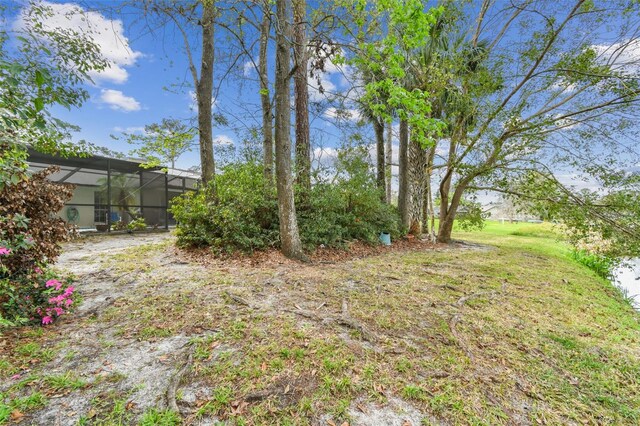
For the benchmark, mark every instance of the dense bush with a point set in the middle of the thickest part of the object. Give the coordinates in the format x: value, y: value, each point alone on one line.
x: 244, y: 214
x: 348, y: 207
x: 30, y: 237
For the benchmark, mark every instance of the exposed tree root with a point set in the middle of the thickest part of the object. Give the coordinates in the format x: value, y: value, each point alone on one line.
x: 461, y: 342
x: 239, y: 300
x: 490, y: 294
x: 174, y: 382
x: 453, y: 322
x: 344, y: 320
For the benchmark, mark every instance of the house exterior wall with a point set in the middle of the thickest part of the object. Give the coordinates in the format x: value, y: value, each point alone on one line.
x: 81, y: 195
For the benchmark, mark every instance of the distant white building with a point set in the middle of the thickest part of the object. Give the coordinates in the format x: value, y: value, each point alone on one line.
x: 505, y: 210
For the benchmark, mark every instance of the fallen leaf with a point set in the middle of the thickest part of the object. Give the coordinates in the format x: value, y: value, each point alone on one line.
x: 345, y: 424
x: 263, y: 367
x: 406, y: 423
x: 92, y: 413
x: 130, y: 405
x: 331, y: 423
x: 286, y: 389
x: 16, y: 415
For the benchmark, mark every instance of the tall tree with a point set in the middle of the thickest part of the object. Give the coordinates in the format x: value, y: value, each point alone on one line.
x: 289, y: 234
x: 204, y: 90
x: 417, y: 163
x: 378, y: 130
x: 46, y: 66
x: 184, y: 16
x: 389, y: 160
x: 378, y: 127
x: 563, y: 97
x: 385, y: 58
x: 301, y: 91
x: 403, y: 174
x: 265, y: 97
x: 161, y: 144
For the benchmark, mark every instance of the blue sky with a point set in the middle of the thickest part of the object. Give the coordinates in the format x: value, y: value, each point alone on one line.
x: 133, y: 91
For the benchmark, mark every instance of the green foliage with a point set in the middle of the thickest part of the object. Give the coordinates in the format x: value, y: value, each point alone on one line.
x: 347, y: 208
x: 162, y: 143
x: 30, y: 237
x: 606, y: 225
x: 137, y: 225
x: 31, y: 402
x: 470, y: 216
x: 154, y: 417
x: 384, y: 61
x: 243, y: 215
x: 41, y: 67
x: 599, y: 263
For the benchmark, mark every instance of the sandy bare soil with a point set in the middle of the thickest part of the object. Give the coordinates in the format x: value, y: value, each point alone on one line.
x: 412, y: 335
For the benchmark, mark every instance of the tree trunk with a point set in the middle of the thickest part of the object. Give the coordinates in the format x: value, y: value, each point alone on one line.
x: 403, y: 176
x: 389, y: 159
x: 428, y: 217
x: 289, y: 236
x: 446, y: 221
x: 204, y: 92
x: 265, y: 98
x: 378, y: 127
x: 301, y: 91
x: 417, y: 164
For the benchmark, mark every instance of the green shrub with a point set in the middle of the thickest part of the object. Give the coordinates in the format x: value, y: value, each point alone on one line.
x: 347, y: 208
x: 243, y: 215
x: 137, y: 225
x: 600, y: 264
x: 30, y: 237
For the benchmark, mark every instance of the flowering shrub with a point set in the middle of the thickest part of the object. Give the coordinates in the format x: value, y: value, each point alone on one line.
x: 30, y: 236
x: 36, y: 297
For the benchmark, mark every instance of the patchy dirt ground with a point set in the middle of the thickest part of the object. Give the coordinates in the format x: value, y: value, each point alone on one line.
x: 468, y: 334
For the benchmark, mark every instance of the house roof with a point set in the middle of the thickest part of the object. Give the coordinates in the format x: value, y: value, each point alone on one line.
x: 96, y: 162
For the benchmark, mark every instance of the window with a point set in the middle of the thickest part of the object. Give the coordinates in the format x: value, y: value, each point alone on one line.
x: 101, y: 209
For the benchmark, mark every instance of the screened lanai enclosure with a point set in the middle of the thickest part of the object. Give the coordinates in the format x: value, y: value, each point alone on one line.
x: 111, y: 192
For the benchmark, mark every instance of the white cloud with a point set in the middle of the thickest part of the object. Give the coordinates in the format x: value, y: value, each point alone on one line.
x: 119, y: 101
x: 327, y: 83
x: 223, y: 140
x: 248, y: 67
x: 193, y: 101
x: 622, y: 56
x: 343, y: 114
x: 106, y: 33
x: 321, y: 87
x: 565, y: 123
x: 130, y: 129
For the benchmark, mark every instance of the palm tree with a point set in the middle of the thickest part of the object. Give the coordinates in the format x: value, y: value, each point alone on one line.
x: 124, y: 194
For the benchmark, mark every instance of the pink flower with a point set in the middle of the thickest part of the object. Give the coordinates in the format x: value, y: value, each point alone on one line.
x: 54, y: 283
x: 47, y: 320
x: 4, y: 250
x: 58, y: 311
x: 37, y: 270
x: 68, y: 302
x: 68, y: 291
x: 57, y: 299
x: 15, y: 377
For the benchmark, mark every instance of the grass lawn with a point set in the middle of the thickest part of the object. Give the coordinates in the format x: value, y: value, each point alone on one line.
x: 508, y: 330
